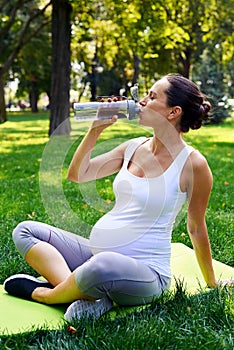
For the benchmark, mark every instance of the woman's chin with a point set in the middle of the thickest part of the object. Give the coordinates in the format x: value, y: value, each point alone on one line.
x: 140, y: 121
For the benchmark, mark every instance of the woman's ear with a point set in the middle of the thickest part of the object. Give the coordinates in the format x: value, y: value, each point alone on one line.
x: 175, y: 113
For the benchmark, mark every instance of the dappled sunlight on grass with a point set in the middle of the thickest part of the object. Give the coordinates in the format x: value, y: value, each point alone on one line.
x: 33, y: 186
x: 29, y: 159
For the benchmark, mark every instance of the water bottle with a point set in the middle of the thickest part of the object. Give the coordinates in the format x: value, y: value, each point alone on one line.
x: 106, y: 109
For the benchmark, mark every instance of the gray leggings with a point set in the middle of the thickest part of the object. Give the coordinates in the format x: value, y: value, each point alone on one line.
x: 125, y: 280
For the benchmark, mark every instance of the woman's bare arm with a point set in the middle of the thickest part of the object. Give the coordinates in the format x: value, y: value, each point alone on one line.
x: 82, y: 168
x: 199, y: 189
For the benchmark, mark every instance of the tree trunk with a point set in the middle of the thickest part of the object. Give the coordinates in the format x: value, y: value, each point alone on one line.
x: 3, y: 114
x: 184, y: 68
x: 136, y: 69
x: 60, y: 78
x: 33, y: 97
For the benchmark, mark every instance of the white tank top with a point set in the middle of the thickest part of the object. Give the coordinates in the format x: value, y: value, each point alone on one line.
x: 141, y: 222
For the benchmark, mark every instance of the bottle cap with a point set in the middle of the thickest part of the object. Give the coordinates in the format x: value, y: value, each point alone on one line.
x: 133, y: 109
x: 134, y: 92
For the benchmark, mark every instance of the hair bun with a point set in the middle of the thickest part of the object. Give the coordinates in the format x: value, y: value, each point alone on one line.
x: 205, y: 107
x: 186, y: 94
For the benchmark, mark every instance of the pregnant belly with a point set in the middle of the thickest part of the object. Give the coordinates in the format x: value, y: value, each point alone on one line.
x: 115, y: 232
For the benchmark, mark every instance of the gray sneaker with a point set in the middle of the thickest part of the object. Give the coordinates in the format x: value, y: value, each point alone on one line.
x: 85, y: 308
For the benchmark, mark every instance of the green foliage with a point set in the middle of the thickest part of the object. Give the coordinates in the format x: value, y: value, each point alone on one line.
x: 20, y: 20
x: 130, y: 40
x: 214, y: 82
x: 141, y: 42
x: 38, y: 51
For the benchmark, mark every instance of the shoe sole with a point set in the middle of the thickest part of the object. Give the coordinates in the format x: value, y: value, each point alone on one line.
x: 21, y: 275
x: 88, y: 310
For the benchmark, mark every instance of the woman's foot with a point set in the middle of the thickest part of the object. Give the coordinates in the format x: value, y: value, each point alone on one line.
x: 85, y: 308
x: 22, y: 286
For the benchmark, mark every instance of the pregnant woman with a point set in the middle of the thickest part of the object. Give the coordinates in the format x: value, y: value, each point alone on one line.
x: 126, y: 260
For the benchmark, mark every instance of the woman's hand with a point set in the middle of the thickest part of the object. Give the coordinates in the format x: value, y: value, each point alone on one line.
x: 102, y: 124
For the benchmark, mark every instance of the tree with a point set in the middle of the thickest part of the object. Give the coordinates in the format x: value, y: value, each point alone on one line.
x: 108, y: 35
x: 212, y: 83
x: 132, y: 43
x: 19, y: 23
x: 33, y: 67
x: 214, y: 68
x: 60, y: 80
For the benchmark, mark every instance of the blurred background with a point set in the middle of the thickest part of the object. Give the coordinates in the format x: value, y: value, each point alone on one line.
x: 54, y: 53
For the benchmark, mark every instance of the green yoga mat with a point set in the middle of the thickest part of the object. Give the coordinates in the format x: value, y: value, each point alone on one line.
x: 18, y: 316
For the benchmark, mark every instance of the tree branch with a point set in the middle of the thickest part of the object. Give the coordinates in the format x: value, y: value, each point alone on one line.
x: 12, y: 15
x: 24, y: 37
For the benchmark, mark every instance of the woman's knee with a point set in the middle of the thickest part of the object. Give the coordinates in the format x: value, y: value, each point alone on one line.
x: 21, y: 229
x: 104, y: 266
x: 22, y: 236
x: 99, y: 269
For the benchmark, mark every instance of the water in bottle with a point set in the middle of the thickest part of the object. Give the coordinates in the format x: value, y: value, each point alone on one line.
x: 122, y: 107
x: 105, y: 110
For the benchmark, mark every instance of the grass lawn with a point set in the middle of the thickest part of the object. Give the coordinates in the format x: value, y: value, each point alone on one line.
x: 33, y: 186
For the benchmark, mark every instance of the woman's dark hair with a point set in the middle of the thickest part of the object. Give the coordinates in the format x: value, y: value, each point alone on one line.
x: 184, y: 93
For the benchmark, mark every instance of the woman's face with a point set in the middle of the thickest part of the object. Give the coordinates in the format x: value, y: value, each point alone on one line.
x: 156, y: 100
